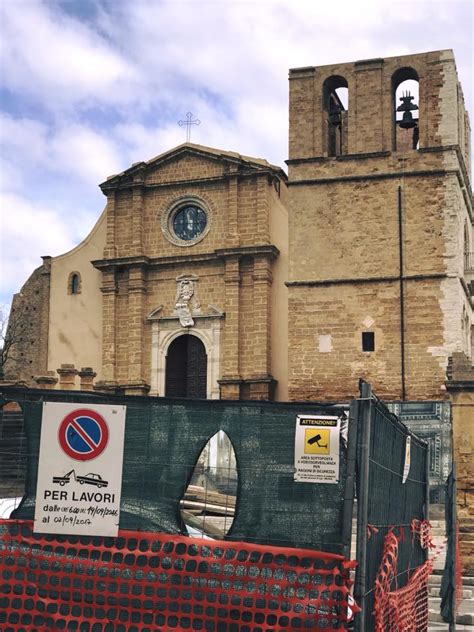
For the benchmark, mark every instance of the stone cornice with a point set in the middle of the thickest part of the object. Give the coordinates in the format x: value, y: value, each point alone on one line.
x: 103, y: 264
x: 233, y: 163
x: 382, y: 279
x: 123, y: 183
x: 269, y: 251
x: 342, y: 158
x: 196, y: 317
x: 460, y: 385
x: 392, y: 175
x: 461, y: 173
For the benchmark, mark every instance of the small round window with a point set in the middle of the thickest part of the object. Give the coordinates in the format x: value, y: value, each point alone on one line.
x: 189, y: 222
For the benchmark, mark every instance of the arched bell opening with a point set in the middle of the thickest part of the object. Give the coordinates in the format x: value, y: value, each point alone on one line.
x: 186, y: 368
x: 209, y: 503
x: 336, y: 105
x: 405, y: 98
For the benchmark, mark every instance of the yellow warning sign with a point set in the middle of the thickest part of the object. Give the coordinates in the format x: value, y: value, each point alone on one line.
x: 316, y: 440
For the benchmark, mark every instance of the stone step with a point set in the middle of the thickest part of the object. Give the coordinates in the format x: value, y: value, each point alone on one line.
x: 465, y: 614
x: 435, y: 579
x: 437, y: 523
x: 461, y: 618
x: 467, y: 593
x: 466, y: 607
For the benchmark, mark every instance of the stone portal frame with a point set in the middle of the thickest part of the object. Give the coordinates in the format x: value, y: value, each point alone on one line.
x: 165, y: 330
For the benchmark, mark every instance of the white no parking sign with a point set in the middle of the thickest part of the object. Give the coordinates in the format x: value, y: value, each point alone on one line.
x: 80, y: 469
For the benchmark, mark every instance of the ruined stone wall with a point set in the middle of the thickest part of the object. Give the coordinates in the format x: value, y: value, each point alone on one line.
x: 28, y: 327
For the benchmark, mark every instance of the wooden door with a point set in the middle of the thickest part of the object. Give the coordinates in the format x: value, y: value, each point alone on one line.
x: 186, y: 368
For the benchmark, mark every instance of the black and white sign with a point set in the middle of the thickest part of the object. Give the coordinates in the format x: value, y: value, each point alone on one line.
x: 317, y: 440
x: 80, y: 469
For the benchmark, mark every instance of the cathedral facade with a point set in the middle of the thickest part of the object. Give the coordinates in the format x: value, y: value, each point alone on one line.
x: 211, y: 274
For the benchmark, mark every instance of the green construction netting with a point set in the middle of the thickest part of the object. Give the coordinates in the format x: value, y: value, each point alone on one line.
x: 163, y: 440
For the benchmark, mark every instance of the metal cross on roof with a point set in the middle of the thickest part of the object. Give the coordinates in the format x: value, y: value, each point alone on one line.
x: 188, y: 122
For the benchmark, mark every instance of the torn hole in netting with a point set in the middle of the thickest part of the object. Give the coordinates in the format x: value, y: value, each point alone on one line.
x: 209, y: 503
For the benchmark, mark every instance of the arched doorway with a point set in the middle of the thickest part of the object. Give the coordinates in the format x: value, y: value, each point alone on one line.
x: 186, y: 368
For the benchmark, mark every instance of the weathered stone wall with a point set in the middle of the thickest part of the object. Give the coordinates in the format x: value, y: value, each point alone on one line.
x: 460, y: 385
x: 370, y: 112
x: 231, y: 266
x: 376, y: 235
x: 28, y: 327
x: 325, y: 340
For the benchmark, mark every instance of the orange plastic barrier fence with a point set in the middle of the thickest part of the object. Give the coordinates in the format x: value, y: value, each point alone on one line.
x: 404, y: 609
x: 142, y: 582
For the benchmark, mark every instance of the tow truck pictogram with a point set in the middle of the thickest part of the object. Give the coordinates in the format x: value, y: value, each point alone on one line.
x: 88, y: 479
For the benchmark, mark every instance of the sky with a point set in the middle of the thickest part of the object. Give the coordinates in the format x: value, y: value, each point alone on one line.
x: 87, y: 87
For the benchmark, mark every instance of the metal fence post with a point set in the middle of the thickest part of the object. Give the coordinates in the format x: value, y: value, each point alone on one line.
x: 364, y: 434
x: 350, y: 479
x: 427, y: 490
x: 454, y: 513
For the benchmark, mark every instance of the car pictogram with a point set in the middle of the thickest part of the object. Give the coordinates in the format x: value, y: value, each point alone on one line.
x: 92, y: 479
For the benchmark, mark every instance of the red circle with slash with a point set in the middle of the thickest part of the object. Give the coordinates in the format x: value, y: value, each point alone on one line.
x: 83, y: 434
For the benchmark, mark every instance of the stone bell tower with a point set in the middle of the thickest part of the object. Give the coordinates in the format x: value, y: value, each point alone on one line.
x: 381, y: 227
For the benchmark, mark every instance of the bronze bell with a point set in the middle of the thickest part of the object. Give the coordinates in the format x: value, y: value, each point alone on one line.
x: 335, y: 114
x: 406, y: 107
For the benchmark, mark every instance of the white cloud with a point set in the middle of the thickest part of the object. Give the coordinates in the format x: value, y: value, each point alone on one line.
x: 89, y: 95
x: 46, y: 54
x: 84, y: 153
x: 28, y: 231
x: 75, y: 150
x: 25, y: 137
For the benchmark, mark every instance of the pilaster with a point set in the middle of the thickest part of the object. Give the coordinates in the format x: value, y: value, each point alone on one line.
x: 231, y: 332
x: 136, y: 298
x: 137, y: 218
x: 46, y: 381
x: 87, y: 375
x: 262, y: 388
x: 109, y: 308
x: 262, y: 282
x: 110, y: 249
x: 369, y: 105
x: 232, y: 233
x: 67, y: 375
x: 263, y: 219
x: 230, y: 388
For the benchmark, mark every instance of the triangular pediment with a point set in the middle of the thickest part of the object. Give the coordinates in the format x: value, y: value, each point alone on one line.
x: 188, y: 162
